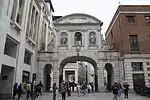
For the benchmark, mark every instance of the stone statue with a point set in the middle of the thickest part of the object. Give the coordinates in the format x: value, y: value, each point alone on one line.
x: 63, y: 38
x: 92, y: 38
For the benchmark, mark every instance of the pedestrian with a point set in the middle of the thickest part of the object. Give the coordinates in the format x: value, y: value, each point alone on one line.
x: 119, y: 90
x: 92, y: 85
x: 63, y: 91
x: 89, y: 88
x: 105, y: 86
x: 15, y: 90
x: 78, y: 89
x: 40, y: 85
x: 54, y: 91
x: 126, y: 89
x: 19, y: 91
x: 73, y: 85
x: 84, y: 86
x: 28, y: 90
x: 115, y: 91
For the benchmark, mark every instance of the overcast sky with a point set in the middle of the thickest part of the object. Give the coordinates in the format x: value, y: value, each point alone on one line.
x: 101, y: 9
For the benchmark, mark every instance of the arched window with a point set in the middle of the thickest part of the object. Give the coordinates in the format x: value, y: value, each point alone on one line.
x: 78, y: 38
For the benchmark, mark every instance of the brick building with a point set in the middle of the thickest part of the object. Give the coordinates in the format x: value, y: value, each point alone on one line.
x: 129, y: 33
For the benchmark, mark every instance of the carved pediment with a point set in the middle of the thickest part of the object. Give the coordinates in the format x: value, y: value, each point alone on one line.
x: 77, y: 18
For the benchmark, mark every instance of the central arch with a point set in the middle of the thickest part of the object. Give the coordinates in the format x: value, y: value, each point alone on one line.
x: 78, y: 58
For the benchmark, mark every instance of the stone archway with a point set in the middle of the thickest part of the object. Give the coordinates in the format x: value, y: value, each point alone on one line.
x: 110, y: 75
x: 47, y: 77
x: 78, y: 58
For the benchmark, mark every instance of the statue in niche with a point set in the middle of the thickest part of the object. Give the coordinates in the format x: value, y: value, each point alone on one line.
x: 63, y: 38
x: 92, y: 38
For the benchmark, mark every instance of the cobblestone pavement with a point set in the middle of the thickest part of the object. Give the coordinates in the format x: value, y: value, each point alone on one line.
x: 95, y: 96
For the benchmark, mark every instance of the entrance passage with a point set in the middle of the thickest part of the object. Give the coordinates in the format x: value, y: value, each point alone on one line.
x: 47, y: 77
x: 109, y: 76
x: 78, y: 69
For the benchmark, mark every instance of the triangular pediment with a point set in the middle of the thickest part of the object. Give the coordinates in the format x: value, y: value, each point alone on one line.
x: 77, y: 18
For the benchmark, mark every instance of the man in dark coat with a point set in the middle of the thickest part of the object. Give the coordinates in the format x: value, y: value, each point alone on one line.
x: 63, y: 91
x: 126, y: 89
x: 15, y: 90
x: 54, y: 91
x: 115, y: 90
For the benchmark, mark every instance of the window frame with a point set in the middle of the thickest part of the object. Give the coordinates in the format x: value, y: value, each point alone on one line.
x: 137, y: 68
x: 134, y: 44
x: 131, y: 19
x: 33, y: 22
x: 16, y: 10
x: 147, y: 18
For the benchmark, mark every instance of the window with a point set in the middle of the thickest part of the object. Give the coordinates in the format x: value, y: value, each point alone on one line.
x: 17, y: 11
x: 130, y: 19
x: 148, y: 19
x: 25, y: 76
x: 33, y: 22
x: 148, y: 69
x: 137, y: 66
x: 10, y: 47
x: 27, y: 57
x: 134, y: 43
x: 78, y: 38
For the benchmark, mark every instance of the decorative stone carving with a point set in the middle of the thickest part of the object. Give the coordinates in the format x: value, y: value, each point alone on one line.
x: 42, y: 47
x: 92, y: 38
x: 63, y: 38
x: 52, y: 41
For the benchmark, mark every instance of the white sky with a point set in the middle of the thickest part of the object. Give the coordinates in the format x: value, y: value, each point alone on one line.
x: 101, y: 9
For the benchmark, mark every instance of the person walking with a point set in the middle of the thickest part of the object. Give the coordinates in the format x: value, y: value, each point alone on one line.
x: 54, y: 91
x: 63, y: 91
x: 15, y: 90
x: 40, y: 85
x: 19, y: 91
x: 126, y: 89
x: 89, y: 88
x: 28, y: 90
x: 92, y: 86
x: 119, y: 90
x: 78, y: 89
x: 115, y: 91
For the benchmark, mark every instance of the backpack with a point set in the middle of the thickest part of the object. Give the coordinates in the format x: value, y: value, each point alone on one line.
x: 28, y: 87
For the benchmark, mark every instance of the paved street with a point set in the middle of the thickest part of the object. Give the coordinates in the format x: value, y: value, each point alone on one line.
x: 95, y: 96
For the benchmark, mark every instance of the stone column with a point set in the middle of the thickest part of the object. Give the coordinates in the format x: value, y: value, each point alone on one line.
x: 100, y: 73
x: 56, y: 73
x: 86, y: 40
x: 1, y: 7
x: 76, y: 76
x: 146, y: 73
x: 69, y: 40
x: 128, y: 73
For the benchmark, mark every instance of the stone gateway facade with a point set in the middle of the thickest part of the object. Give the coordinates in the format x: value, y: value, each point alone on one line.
x: 78, y: 38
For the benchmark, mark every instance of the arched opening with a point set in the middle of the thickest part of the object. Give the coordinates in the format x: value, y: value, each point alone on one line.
x: 78, y: 38
x: 108, y: 77
x: 80, y: 60
x: 47, y: 77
